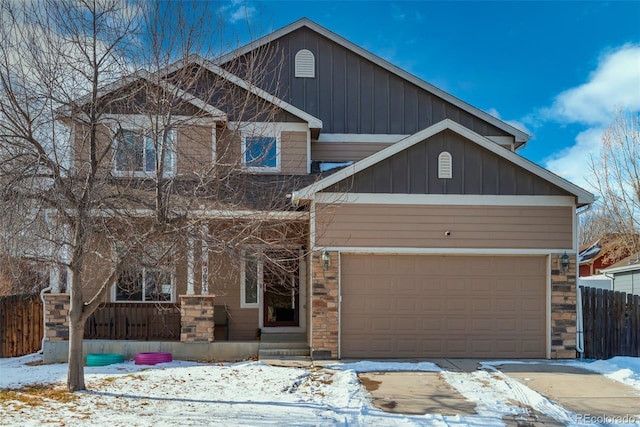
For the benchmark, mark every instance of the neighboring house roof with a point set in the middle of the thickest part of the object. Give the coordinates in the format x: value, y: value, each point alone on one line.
x: 520, y: 136
x: 630, y: 263
x: 606, y: 248
x: 583, y: 197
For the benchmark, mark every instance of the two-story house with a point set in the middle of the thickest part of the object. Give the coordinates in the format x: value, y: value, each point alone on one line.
x: 389, y: 218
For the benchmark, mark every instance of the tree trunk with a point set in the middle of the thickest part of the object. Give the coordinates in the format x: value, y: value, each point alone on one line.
x: 75, y: 375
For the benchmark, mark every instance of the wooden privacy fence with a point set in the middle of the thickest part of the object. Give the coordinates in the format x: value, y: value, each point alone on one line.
x: 21, y: 327
x: 611, y: 323
x: 134, y: 321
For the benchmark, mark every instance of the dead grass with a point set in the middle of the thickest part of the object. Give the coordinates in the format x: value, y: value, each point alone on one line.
x: 35, y: 395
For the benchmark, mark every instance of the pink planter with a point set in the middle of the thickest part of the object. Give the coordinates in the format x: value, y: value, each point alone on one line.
x: 152, y: 358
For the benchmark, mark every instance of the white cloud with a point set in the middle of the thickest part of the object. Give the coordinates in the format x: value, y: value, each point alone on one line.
x: 573, y: 162
x: 238, y: 10
x: 614, y: 84
x: 515, y: 123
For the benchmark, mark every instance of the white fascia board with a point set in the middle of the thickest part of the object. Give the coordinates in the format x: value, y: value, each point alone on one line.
x: 268, y: 127
x: 314, y: 122
x: 583, y: 196
x: 361, y: 137
x: 141, y: 120
x: 622, y: 269
x: 518, y: 134
x: 437, y: 251
x: 443, y: 199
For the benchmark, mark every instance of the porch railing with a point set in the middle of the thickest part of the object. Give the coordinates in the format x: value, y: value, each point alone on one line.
x: 134, y: 321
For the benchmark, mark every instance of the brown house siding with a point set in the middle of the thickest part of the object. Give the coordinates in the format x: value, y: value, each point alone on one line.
x: 409, y: 226
x: 344, y: 151
x: 294, y: 153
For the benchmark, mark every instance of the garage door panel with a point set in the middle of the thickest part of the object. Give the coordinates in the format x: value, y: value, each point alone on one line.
x: 443, y: 306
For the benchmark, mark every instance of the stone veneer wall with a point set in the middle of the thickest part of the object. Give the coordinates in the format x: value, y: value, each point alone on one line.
x: 324, y: 307
x: 56, y: 312
x: 563, y: 308
x: 197, y: 318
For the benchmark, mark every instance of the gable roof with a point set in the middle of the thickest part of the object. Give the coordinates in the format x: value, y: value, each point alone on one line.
x: 314, y: 123
x: 520, y: 136
x: 630, y: 263
x: 583, y: 196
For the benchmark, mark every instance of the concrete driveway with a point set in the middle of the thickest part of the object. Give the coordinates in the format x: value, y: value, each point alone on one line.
x: 540, y: 393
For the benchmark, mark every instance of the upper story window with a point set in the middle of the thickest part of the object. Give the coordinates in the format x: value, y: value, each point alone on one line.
x: 261, y: 152
x: 136, y: 153
x: 261, y: 147
x: 305, y: 64
x: 144, y: 284
x: 445, y: 165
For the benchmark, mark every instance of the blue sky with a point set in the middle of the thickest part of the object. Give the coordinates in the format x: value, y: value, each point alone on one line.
x: 557, y: 69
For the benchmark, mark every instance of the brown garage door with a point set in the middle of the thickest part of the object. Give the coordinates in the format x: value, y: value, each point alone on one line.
x: 443, y: 306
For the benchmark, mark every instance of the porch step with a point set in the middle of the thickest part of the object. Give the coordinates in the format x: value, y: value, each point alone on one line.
x: 270, y: 353
x: 282, y: 337
x: 292, y: 345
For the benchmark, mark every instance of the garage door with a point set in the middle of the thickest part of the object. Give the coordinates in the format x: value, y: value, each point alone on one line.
x: 443, y: 306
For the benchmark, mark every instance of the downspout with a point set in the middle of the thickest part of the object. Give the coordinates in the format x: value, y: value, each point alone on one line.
x: 44, y: 311
x: 579, y: 321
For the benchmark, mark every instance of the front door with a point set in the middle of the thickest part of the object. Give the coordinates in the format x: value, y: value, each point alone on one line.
x: 281, y: 273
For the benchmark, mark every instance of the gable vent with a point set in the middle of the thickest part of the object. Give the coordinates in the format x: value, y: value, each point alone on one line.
x: 305, y: 64
x: 444, y: 165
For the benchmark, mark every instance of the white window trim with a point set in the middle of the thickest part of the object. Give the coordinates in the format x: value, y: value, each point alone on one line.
x: 243, y: 276
x: 173, y: 135
x: 264, y: 129
x: 172, y: 275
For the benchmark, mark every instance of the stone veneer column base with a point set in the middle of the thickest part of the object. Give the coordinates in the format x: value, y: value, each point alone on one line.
x: 196, y: 318
x: 324, y: 307
x: 56, y: 315
x: 563, y: 308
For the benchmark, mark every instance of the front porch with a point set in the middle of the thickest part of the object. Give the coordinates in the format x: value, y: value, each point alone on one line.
x: 193, y: 329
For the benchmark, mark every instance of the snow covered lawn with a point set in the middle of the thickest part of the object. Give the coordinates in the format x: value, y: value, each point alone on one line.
x: 253, y: 393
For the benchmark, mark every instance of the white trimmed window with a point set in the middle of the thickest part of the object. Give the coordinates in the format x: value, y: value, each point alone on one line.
x: 261, y: 147
x: 305, y: 64
x: 142, y: 284
x: 136, y: 153
x: 250, y: 272
x: 445, y: 165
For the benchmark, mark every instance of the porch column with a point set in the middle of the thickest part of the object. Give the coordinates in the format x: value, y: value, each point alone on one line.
x: 190, y: 265
x: 205, y: 260
x: 196, y: 318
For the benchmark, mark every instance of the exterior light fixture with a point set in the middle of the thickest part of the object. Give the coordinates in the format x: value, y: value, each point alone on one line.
x: 565, y: 262
x: 325, y: 259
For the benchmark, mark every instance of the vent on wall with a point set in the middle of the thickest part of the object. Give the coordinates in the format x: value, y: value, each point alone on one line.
x: 305, y: 64
x: 444, y: 165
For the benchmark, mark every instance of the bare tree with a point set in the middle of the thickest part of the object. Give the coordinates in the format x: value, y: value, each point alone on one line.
x: 113, y: 196
x: 615, y: 175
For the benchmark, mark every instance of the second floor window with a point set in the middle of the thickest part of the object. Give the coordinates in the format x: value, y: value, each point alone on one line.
x: 138, y: 154
x: 261, y: 153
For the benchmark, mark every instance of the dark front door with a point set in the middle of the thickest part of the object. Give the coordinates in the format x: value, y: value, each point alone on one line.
x: 281, y: 274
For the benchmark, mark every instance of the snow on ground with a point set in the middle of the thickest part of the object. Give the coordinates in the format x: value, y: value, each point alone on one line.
x: 253, y: 393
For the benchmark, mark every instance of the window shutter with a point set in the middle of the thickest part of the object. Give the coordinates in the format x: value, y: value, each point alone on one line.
x: 305, y: 64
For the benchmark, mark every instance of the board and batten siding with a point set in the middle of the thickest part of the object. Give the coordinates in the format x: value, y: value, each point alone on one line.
x: 412, y: 226
x: 344, y: 151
